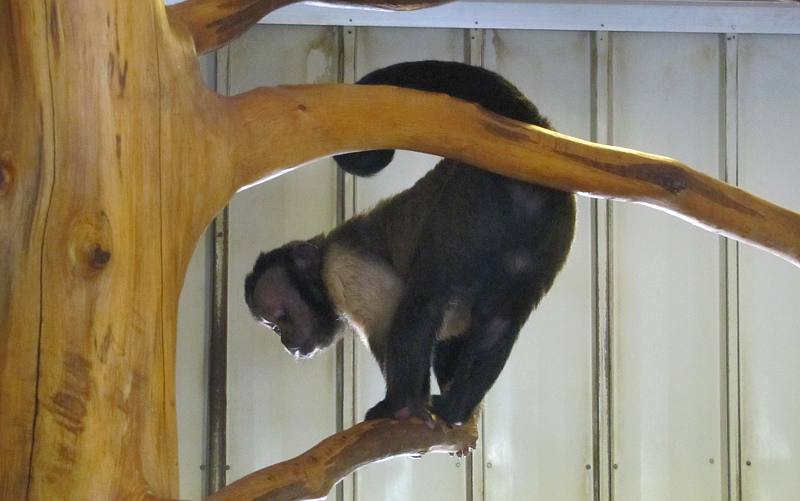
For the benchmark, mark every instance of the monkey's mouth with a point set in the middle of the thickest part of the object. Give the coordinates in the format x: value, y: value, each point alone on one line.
x: 302, y: 352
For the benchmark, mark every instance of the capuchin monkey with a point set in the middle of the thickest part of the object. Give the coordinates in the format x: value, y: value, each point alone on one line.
x: 443, y: 274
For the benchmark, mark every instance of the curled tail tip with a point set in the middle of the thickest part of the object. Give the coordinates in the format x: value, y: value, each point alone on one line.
x: 364, y: 163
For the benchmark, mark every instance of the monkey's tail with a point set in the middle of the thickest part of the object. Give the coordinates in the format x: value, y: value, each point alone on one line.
x: 364, y: 163
x: 459, y: 80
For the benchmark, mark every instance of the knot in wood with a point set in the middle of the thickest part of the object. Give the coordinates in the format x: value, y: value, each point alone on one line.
x: 100, y: 257
x: 90, y: 244
x: 6, y: 175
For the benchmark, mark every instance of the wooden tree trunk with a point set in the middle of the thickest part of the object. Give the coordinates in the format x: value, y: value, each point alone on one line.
x: 89, y: 284
x: 113, y: 159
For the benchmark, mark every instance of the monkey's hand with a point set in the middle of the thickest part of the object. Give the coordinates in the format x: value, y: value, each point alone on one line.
x: 384, y: 409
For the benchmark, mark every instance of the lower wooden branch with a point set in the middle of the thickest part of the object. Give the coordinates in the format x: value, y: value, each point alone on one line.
x: 314, y: 473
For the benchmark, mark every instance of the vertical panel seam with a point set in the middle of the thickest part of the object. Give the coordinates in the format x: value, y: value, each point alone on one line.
x: 602, y: 439
x: 730, y: 172
x: 609, y: 219
x: 475, y: 478
x: 216, y: 452
x: 724, y: 276
x: 339, y: 217
x: 346, y: 194
x: 595, y: 272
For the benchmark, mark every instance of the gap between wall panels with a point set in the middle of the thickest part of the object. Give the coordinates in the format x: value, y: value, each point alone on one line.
x: 216, y: 466
x: 729, y: 250
x: 345, y: 208
x: 601, y: 93
x: 475, y: 463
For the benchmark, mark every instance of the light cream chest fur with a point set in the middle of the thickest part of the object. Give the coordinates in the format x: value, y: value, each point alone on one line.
x: 365, y: 292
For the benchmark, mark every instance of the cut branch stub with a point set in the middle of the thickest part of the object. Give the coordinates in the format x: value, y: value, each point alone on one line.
x: 313, y: 474
x: 214, y: 23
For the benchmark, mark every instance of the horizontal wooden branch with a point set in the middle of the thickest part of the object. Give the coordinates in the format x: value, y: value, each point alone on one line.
x: 278, y: 128
x: 214, y: 23
x: 314, y: 473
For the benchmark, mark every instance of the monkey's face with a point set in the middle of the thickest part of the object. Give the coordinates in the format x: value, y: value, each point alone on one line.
x: 304, y: 328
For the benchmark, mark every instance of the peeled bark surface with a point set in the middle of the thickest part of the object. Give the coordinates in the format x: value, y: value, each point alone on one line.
x: 113, y: 159
x: 313, y: 474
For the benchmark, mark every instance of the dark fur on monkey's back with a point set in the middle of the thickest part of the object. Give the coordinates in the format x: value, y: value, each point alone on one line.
x: 470, y: 83
x: 453, y: 190
x: 460, y: 236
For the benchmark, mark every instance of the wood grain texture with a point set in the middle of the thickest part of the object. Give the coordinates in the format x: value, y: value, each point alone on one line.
x: 26, y: 178
x: 314, y: 473
x: 114, y: 157
x: 214, y: 23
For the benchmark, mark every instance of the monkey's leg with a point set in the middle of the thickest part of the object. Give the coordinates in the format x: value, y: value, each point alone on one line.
x: 436, y: 276
x: 383, y: 408
x: 452, y: 258
x: 497, y: 319
x: 476, y: 373
x: 408, y: 358
x: 445, y: 360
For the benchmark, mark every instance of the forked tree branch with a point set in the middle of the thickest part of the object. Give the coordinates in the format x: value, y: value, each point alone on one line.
x: 275, y: 129
x: 214, y: 23
x: 314, y: 473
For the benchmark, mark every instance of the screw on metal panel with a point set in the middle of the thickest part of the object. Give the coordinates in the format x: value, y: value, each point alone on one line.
x: 588, y: 467
x: 489, y: 465
x: 458, y: 464
x: 749, y: 463
x: 616, y: 466
x: 711, y: 460
x: 227, y: 467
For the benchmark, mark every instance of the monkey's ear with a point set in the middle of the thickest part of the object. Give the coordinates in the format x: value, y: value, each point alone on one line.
x: 307, y: 257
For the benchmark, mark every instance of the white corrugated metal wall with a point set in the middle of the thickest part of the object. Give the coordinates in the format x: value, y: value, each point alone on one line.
x: 662, y: 366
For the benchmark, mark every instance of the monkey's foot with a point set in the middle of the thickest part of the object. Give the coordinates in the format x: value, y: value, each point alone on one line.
x: 384, y: 409
x: 449, y: 410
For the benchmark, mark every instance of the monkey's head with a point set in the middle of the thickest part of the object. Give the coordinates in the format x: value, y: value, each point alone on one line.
x: 286, y: 293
